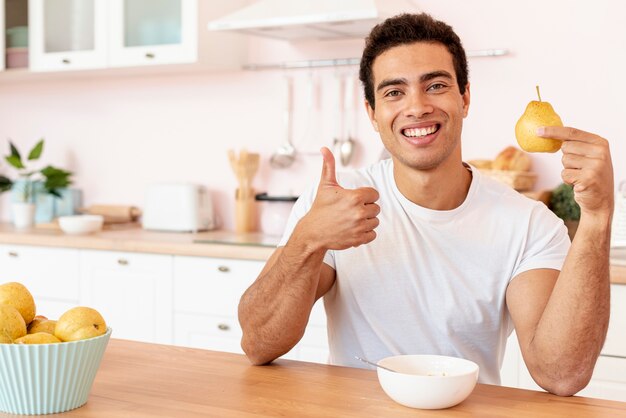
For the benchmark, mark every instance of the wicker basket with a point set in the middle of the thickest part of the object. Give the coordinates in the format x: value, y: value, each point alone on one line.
x: 519, y: 180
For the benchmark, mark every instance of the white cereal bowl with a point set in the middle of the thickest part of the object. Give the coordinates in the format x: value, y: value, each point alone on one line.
x: 38, y: 379
x: 81, y: 224
x: 427, y: 381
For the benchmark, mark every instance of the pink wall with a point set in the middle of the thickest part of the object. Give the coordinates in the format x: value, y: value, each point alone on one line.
x: 119, y: 133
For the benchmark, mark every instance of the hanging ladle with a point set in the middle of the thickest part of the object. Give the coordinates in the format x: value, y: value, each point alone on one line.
x: 285, y: 154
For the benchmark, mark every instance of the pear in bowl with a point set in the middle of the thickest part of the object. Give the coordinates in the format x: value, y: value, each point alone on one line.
x: 427, y: 381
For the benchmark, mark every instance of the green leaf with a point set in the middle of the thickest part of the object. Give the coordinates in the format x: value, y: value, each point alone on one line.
x: 5, y: 184
x: 14, y: 151
x: 15, y: 161
x: 35, y: 153
x: 55, y: 178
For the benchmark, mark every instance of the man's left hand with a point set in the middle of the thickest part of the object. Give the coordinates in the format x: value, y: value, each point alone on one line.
x: 586, y: 166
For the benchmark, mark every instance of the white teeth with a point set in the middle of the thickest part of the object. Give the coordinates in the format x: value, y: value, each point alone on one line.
x: 417, y: 132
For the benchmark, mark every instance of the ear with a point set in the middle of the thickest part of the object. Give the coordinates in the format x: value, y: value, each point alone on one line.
x: 372, y: 115
x: 466, y: 100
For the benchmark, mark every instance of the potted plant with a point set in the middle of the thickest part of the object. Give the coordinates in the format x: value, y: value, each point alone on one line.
x: 564, y: 206
x: 29, y: 182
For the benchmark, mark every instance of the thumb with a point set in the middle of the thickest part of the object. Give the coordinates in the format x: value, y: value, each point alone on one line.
x: 328, y: 177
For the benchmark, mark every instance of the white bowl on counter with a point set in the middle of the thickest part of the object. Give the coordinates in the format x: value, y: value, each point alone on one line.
x: 81, y: 224
x: 427, y: 381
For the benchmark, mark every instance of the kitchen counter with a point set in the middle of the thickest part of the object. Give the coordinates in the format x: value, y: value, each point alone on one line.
x: 147, y: 380
x: 220, y: 244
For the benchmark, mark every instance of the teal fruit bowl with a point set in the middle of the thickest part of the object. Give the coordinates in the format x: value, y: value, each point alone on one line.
x: 38, y: 379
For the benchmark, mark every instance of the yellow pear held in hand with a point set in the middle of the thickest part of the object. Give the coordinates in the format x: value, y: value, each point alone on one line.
x: 42, y: 324
x: 12, y: 325
x: 18, y: 296
x: 38, y: 338
x: 537, y: 114
x: 80, y: 323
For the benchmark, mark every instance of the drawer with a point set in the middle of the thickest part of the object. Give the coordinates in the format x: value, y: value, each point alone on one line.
x: 212, y: 286
x: 49, y: 273
x: 208, y: 332
x: 615, y: 344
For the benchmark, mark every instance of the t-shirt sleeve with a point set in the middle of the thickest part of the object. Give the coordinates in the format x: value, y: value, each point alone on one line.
x: 547, y: 242
x: 301, y: 208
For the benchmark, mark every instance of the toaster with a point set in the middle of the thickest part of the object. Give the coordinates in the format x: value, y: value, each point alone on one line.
x: 181, y: 207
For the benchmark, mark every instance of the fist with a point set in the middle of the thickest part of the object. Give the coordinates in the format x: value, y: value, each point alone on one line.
x: 341, y: 218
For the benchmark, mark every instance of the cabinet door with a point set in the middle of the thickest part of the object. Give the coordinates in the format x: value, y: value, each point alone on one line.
x: 51, y: 275
x: 206, y: 296
x: 149, y: 32
x: 132, y: 291
x: 67, y: 34
x: 615, y: 344
x: 3, y: 31
x: 608, y: 380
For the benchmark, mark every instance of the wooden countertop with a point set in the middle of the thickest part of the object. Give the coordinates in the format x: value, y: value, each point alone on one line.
x: 221, y: 244
x: 147, y: 380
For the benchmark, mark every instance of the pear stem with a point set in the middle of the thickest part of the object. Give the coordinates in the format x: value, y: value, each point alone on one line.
x: 538, y: 94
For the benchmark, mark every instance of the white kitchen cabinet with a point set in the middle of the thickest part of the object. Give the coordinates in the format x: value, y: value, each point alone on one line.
x: 2, y: 38
x: 67, y: 34
x: 150, y: 32
x: 51, y: 275
x: 132, y: 291
x: 609, y: 376
x: 90, y: 34
x: 206, y: 296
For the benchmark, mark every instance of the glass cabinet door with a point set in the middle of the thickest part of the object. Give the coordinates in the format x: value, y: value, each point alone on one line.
x: 2, y: 28
x: 67, y: 34
x: 145, y: 32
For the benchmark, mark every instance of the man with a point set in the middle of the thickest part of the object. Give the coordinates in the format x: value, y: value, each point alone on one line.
x: 421, y: 254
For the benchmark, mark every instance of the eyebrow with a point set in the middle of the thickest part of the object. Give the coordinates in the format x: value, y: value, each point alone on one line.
x: 404, y: 81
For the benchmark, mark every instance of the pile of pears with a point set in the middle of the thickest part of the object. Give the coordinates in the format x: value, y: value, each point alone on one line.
x: 19, y: 323
x: 537, y: 114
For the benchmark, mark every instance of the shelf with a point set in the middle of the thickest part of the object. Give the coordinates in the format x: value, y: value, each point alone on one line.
x: 340, y: 62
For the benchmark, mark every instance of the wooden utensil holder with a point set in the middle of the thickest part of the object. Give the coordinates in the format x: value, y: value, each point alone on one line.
x: 245, y: 211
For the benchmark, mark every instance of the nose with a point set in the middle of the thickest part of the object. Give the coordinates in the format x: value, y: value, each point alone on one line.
x: 418, y: 104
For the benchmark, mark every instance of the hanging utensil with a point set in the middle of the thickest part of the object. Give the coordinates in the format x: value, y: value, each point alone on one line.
x: 285, y: 154
x: 345, y: 143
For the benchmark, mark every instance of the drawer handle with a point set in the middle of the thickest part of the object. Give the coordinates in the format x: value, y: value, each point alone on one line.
x: 150, y: 55
x: 224, y: 269
x: 223, y: 327
x: 66, y: 61
x: 13, y: 254
x: 122, y: 262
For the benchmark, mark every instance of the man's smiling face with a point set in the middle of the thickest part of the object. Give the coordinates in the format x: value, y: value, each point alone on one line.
x: 419, y: 109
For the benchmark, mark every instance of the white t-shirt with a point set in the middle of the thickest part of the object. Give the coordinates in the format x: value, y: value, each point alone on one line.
x: 434, y: 282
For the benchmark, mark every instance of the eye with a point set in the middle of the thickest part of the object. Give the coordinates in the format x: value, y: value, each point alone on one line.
x: 436, y: 86
x: 393, y: 93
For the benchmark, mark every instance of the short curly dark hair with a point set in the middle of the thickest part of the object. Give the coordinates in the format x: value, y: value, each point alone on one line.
x: 405, y: 29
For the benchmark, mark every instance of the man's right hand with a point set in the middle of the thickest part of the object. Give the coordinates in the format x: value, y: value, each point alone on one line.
x: 340, y: 218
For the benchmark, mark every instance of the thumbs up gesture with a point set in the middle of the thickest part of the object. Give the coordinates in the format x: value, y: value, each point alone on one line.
x: 341, y: 218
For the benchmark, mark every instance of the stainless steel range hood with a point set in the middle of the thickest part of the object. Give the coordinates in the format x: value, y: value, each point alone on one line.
x: 311, y: 19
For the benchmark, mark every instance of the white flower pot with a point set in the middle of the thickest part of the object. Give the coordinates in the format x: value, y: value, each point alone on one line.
x: 23, y: 214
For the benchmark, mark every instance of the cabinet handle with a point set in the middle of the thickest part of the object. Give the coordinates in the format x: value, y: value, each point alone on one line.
x: 66, y: 61
x: 122, y: 262
x: 224, y: 269
x: 13, y: 254
x: 223, y: 327
x: 150, y: 55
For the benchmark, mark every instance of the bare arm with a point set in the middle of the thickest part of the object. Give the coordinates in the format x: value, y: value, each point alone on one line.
x: 561, y: 319
x: 274, y: 311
